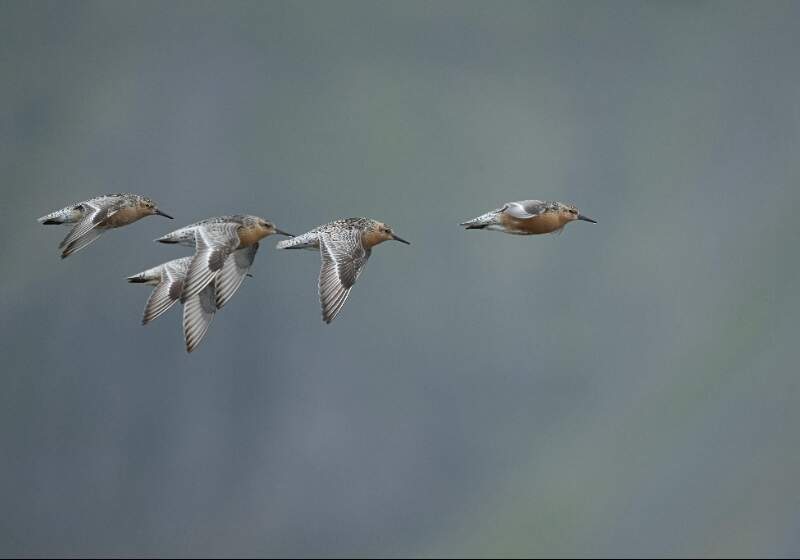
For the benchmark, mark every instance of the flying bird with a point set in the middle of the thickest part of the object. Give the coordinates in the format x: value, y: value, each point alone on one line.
x: 94, y: 216
x: 215, y: 239
x: 168, y: 279
x: 528, y: 217
x: 344, y: 245
x: 225, y: 248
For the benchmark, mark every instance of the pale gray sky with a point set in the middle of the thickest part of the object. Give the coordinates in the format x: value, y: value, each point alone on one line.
x: 624, y: 388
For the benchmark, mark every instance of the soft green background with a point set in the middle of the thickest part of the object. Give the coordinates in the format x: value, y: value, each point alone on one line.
x: 624, y: 388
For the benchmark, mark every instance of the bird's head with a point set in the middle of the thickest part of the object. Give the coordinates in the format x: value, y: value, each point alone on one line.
x: 269, y: 228
x: 151, y: 208
x: 383, y: 232
x: 569, y: 213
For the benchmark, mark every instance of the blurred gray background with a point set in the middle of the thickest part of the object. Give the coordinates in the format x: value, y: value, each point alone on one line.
x: 624, y: 388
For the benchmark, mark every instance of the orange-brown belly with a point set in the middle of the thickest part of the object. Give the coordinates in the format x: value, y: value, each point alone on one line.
x: 545, y: 223
x: 123, y: 217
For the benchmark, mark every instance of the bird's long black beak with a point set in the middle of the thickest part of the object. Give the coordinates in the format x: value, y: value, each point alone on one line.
x: 160, y: 213
x: 281, y: 232
x: 586, y: 218
x: 400, y: 239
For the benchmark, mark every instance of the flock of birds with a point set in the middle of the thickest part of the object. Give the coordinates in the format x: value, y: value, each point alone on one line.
x: 226, y: 246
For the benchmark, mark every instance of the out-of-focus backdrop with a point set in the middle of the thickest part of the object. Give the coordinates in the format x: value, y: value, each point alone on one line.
x: 624, y: 388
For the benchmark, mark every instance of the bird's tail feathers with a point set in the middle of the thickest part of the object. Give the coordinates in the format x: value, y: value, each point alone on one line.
x: 306, y: 241
x: 482, y: 221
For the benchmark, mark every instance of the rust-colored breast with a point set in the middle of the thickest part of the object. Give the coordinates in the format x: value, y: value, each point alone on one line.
x: 251, y: 235
x: 124, y: 216
x: 372, y: 237
x: 544, y: 223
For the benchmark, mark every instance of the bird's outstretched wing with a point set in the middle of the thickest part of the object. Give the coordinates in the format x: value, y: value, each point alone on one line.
x: 198, y: 311
x: 167, y: 292
x: 524, y: 209
x: 343, y: 259
x: 233, y: 272
x: 214, y: 243
x: 88, y: 229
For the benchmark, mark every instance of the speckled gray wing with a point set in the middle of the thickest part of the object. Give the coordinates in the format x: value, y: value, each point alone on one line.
x: 88, y: 229
x: 524, y: 209
x: 343, y: 259
x: 198, y: 311
x: 168, y: 291
x: 233, y: 272
x: 214, y: 243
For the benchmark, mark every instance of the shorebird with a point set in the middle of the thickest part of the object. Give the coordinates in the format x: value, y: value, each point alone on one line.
x: 528, y: 217
x: 96, y: 215
x: 168, y: 279
x: 345, y: 245
x: 225, y: 248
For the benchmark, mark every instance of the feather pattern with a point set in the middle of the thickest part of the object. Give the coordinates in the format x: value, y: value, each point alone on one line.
x: 525, y: 209
x: 168, y: 291
x: 233, y: 273
x: 214, y: 243
x: 198, y: 311
x: 85, y: 231
x: 96, y: 215
x: 343, y: 259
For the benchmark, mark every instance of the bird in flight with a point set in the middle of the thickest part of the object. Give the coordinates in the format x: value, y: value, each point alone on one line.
x: 168, y: 279
x: 528, y: 217
x: 345, y: 246
x: 94, y: 216
x: 225, y: 248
